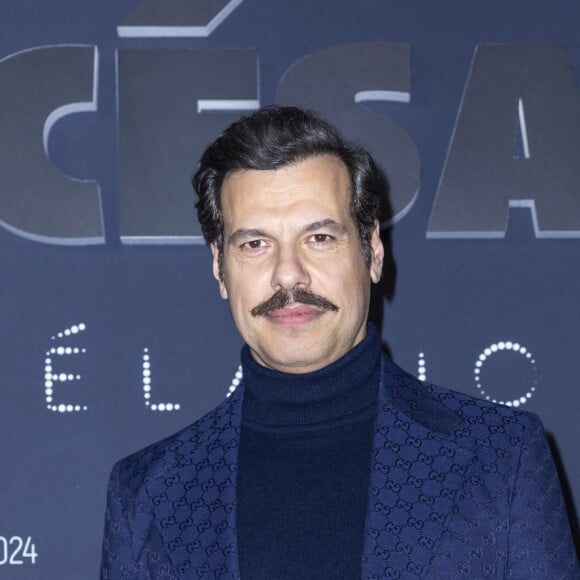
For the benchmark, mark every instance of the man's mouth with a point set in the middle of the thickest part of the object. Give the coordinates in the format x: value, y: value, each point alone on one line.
x: 294, y: 314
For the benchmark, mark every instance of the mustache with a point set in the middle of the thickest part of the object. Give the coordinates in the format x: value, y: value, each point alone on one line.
x: 285, y: 297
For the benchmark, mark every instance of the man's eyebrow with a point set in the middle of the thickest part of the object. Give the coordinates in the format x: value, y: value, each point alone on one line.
x: 329, y: 224
x: 245, y: 234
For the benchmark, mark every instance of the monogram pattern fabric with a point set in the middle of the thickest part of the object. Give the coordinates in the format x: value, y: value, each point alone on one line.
x: 459, y: 489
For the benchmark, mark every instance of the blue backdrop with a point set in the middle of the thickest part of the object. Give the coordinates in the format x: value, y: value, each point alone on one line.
x: 113, y: 334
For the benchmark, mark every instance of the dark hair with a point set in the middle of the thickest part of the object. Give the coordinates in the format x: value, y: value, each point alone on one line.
x: 274, y: 137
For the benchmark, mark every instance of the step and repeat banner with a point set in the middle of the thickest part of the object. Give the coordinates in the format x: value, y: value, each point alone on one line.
x: 112, y: 332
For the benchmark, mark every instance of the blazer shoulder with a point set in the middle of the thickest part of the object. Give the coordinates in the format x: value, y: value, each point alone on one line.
x: 476, y: 410
x: 448, y: 411
x: 162, y: 458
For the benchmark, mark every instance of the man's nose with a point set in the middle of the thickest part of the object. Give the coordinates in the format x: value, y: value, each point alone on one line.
x: 289, y: 271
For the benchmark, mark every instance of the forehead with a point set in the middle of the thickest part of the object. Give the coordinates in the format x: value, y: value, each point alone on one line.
x: 319, y: 184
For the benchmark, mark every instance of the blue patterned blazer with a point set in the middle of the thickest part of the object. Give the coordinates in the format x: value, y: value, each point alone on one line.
x: 459, y: 488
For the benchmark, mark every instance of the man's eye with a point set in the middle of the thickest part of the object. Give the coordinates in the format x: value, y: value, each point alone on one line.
x: 253, y: 245
x: 320, y: 238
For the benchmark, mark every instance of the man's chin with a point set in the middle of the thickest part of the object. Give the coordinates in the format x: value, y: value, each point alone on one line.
x: 294, y: 361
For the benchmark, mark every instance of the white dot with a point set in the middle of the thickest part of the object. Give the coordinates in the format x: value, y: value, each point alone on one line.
x: 60, y: 350
x: 487, y: 351
x: 48, y: 376
x: 523, y: 350
x: 76, y: 350
x: 70, y: 408
x: 146, y: 388
x: 236, y: 382
x: 61, y: 408
x: 85, y: 408
x: 478, y: 363
x: 48, y: 391
x: 67, y: 332
x: 477, y: 371
x: 48, y: 383
x: 146, y: 373
x: 529, y: 395
x: 68, y: 350
x: 169, y: 406
x: 523, y: 399
x: 177, y: 406
x: 516, y: 403
x: 509, y: 344
x: 74, y: 329
x: 49, y: 399
x: 78, y: 377
x: 422, y: 369
x: 154, y: 407
x: 70, y: 377
x: 77, y: 408
x: 146, y: 365
x: 146, y: 381
x: 82, y: 326
x: 482, y: 357
x: 48, y: 361
x: 494, y: 347
x: 62, y: 377
x: 147, y: 395
x: 501, y: 345
x: 59, y: 335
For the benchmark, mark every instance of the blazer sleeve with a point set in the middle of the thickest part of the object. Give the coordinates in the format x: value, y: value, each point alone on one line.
x: 540, y: 539
x: 132, y: 546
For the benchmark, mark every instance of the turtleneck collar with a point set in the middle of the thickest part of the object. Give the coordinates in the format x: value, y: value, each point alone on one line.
x: 346, y: 387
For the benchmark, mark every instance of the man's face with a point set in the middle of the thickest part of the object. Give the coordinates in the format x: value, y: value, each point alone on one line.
x: 290, y: 229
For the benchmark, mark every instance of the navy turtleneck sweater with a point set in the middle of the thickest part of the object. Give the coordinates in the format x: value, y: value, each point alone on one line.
x: 304, y: 467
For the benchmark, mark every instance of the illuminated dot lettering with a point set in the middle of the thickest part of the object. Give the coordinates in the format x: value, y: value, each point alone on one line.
x: 517, y: 348
x: 238, y: 376
x: 421, y: 367
x: 51, y: 377
x: 146, y: 372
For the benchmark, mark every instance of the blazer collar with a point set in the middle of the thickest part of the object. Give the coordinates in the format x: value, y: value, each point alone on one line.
x: 417, y: 472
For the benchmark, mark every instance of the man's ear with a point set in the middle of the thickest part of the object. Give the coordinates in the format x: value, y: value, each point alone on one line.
x: 377, y: 254
x: 216, y: 270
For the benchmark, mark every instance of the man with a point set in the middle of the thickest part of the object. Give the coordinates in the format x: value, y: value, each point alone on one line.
x: 328, y: 461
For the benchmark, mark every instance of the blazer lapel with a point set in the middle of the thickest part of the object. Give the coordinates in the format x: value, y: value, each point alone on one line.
x: 417, y: 471
x: 194, y: 501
